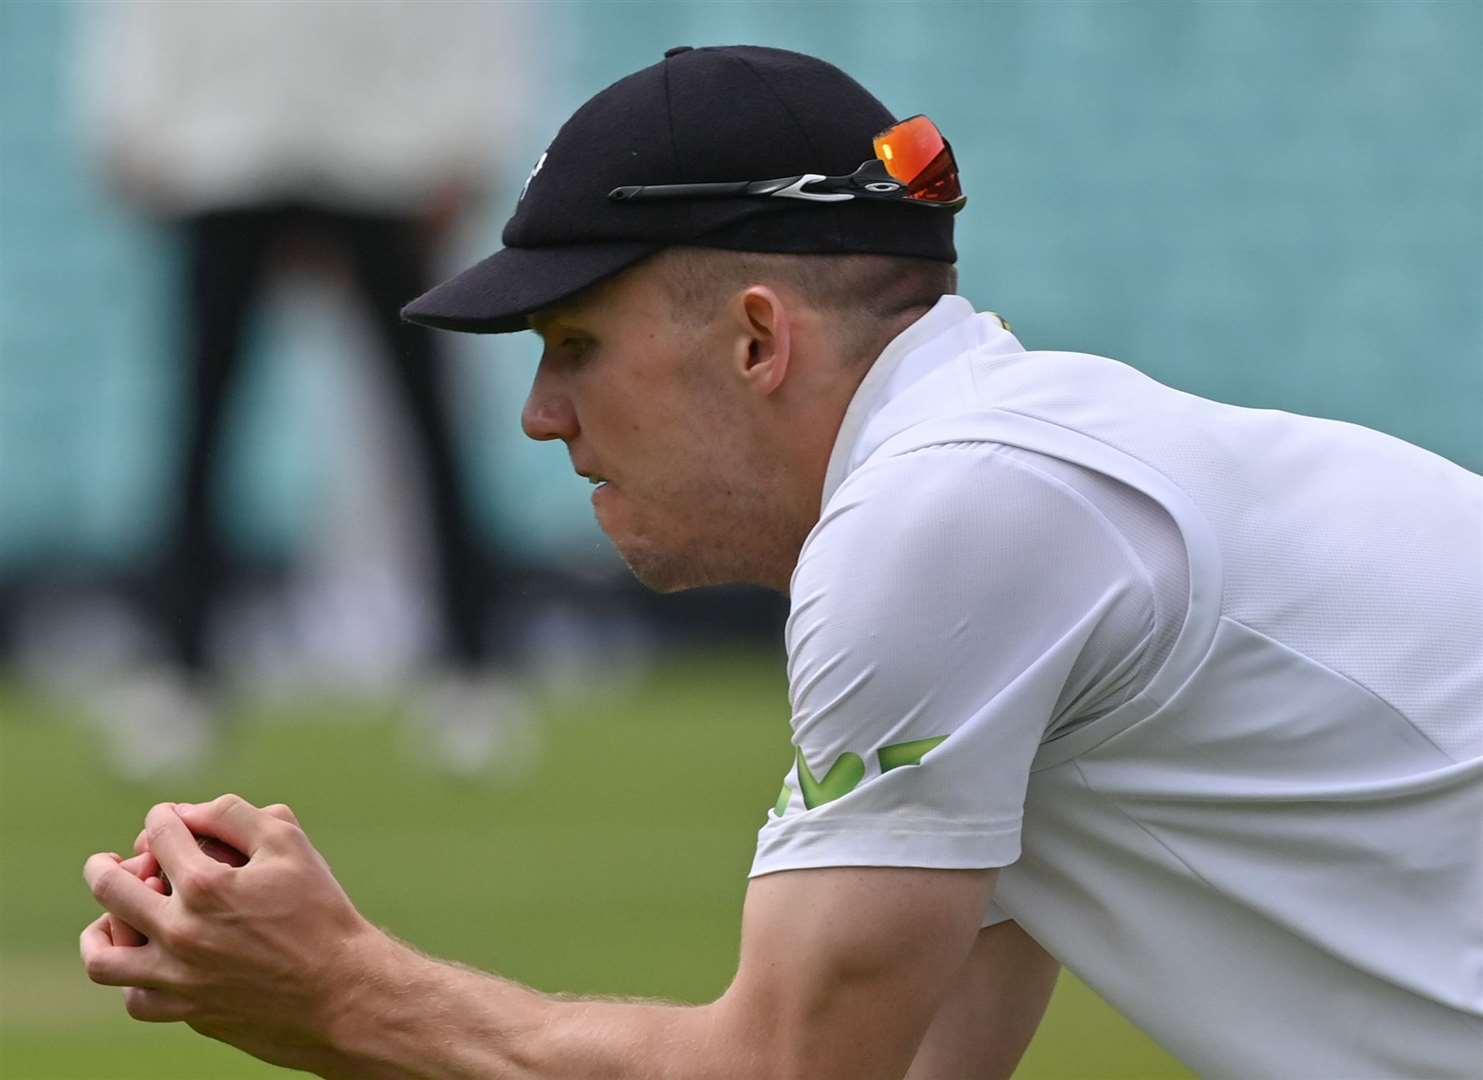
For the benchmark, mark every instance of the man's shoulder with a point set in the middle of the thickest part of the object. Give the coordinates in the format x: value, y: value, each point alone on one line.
x: 967, y: 397
x: 949, y: 504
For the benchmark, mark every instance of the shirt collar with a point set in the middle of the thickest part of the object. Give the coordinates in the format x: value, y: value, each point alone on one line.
x: 948, y: 329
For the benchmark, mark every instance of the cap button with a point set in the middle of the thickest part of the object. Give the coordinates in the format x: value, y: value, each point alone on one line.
x: 677, y: 50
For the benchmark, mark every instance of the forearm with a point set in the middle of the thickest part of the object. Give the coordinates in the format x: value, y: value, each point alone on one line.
x: 419, y: 1017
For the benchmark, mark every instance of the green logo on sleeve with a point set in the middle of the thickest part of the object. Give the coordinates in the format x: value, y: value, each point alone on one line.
x: 848, y: 770
x: 906, y: 753
x: 841, y: 779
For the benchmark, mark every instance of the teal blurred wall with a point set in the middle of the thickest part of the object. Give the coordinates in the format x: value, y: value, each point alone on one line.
x: 1277, y: 204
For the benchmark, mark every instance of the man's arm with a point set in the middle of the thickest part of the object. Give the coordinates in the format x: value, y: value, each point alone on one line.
x: 991, y: 1010
x: 841, y: 972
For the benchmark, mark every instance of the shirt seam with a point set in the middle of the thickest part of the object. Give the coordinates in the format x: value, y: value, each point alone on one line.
x: 1402, y: 717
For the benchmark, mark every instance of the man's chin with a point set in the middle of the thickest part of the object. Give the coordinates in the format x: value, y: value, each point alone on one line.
x: 668, y: 572
x: 663, y: 576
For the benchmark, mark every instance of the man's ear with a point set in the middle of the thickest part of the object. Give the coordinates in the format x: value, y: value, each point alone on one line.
x: 763, y: 349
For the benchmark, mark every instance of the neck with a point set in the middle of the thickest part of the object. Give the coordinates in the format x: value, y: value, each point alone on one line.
x: 800, y: 472
x: 806, y: 441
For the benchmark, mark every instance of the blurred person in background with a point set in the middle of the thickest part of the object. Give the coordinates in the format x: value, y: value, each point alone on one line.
x: 332, y: 136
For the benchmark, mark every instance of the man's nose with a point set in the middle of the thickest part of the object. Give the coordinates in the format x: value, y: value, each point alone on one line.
x: 548, y: 414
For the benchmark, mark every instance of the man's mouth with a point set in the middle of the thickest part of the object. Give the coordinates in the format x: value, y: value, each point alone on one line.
x: 594, y: 479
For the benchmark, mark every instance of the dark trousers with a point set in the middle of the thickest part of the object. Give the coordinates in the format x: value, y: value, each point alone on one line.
x: 226, y: 268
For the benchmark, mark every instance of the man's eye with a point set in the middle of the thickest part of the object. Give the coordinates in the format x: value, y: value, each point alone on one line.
x: 568, y: 351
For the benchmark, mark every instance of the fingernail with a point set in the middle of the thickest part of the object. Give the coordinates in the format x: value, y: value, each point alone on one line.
x: 182, y: 807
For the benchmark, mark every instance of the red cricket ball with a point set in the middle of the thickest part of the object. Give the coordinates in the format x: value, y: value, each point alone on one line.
x: 221, y: 851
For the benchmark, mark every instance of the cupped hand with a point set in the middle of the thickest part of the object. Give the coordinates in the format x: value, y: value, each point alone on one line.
x: 259, y: 956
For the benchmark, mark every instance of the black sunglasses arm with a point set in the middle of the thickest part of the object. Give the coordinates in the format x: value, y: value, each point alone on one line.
x: 870, y: 180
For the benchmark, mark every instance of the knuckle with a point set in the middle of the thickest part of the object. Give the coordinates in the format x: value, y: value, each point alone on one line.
x: 96, y: 966
x: 282, y: 833
x: 202, y: 881
x: 230, y: 802
x: 283, y: 812
x: 135, y: 1003
x: 141, y: 1004
x: 189, y: 882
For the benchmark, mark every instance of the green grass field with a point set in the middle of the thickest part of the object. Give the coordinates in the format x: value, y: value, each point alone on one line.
x: 617, y: 866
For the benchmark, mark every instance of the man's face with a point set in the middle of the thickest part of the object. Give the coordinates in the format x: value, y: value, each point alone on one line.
x: 645, y: 403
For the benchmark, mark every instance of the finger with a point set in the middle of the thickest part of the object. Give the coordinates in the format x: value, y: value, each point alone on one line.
x: 155, y: 1006
x: 122, y: 934
x: 98, y: 933
x: 119, y: 932
x: 141, y: 842
x: 142, y: 866
x: 232, y: 819
x: 282, y: 813
x: 174, y: 845
x: 122, y: 894
x: 110, y: 964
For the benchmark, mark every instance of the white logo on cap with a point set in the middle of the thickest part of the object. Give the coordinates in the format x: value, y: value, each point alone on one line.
x: 539, y: 162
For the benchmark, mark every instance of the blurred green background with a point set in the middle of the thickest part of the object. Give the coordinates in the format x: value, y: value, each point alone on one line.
x: 1276, y: 204
x: 615, y: 867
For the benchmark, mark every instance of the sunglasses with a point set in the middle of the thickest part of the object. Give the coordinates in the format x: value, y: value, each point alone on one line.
x: 913, y: 165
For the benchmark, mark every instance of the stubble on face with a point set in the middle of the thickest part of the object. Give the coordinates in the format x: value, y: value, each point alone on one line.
x: 727, y: 544
x: 708, y: 515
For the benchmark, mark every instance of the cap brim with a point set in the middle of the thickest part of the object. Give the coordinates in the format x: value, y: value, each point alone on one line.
x: 496, y: 295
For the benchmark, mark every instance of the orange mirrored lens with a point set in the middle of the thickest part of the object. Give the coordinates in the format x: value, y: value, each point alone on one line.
x: 915, y: 153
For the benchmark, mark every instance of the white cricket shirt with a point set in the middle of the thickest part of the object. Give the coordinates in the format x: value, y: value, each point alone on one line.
x: 1207, y: 682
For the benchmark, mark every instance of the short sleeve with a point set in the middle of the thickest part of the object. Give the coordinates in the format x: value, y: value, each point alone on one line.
x: 951, y: 604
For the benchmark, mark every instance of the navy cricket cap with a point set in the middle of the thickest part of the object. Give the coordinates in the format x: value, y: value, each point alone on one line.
x: 729, y: 113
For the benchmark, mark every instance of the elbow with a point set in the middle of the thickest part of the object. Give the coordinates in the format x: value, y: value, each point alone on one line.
x: 757, y: 1040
